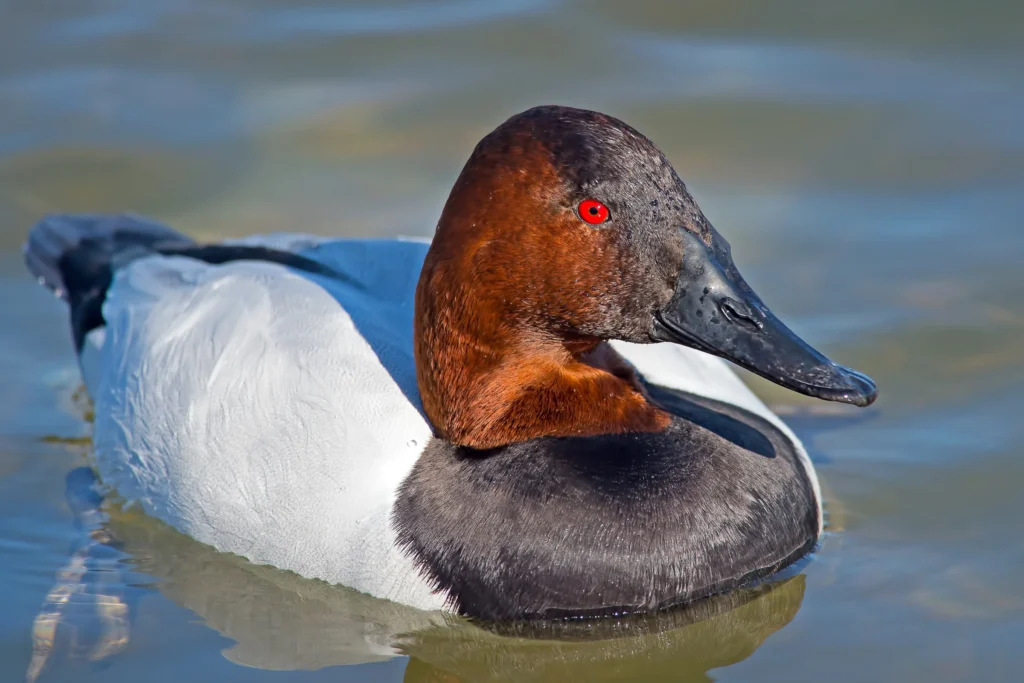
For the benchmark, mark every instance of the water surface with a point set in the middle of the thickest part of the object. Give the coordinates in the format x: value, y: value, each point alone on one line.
x: 865, y: 160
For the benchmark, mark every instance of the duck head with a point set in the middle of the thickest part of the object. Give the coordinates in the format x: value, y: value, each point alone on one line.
x: 567, y: 228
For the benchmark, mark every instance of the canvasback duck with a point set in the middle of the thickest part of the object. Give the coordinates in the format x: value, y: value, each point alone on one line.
x: 485, y: 423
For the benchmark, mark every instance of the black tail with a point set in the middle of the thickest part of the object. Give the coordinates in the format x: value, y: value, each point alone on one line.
x: 76, y: 256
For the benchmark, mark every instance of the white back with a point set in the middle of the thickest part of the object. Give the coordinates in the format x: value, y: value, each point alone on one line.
x: 274, y: 414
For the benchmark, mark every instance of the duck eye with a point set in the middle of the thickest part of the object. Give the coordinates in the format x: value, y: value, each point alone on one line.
x: 593, y: 211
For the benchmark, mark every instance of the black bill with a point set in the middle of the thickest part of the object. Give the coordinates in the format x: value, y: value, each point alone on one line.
x: 715, y: 310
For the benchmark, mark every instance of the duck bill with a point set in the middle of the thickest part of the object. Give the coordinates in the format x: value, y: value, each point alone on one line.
x: 714, y: 310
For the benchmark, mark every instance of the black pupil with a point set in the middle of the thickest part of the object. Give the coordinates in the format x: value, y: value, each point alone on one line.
x: 593, y: 211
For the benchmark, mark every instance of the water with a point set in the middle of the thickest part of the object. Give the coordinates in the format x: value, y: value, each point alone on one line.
x: 865, y: 160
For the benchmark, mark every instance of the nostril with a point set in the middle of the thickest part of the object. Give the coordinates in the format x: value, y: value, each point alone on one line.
x: 738, y: 312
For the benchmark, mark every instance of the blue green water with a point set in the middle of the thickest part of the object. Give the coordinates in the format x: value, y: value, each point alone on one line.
x: 865, y: 160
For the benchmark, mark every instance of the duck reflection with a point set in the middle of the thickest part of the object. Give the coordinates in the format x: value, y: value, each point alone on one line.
x: 681, y: 645
x: 282, y: 621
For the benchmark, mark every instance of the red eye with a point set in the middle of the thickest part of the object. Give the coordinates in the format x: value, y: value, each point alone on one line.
x: 593, y: 211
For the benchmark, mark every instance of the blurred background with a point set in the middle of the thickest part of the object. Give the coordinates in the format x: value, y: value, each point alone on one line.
x: 865, y: 160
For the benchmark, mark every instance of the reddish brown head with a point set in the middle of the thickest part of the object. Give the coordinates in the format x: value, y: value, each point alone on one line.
x: 566, y: 228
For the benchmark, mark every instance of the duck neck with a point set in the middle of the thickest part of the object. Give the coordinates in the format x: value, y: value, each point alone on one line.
x: 486, y: 381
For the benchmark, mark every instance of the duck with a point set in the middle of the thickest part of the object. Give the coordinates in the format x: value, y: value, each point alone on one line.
x: 528, y: 416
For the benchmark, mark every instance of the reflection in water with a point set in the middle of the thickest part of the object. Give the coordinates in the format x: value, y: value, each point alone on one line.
x: 681, y: 645
x: 278, y: 619
x: 88, y: 590
x: 282, y: 621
